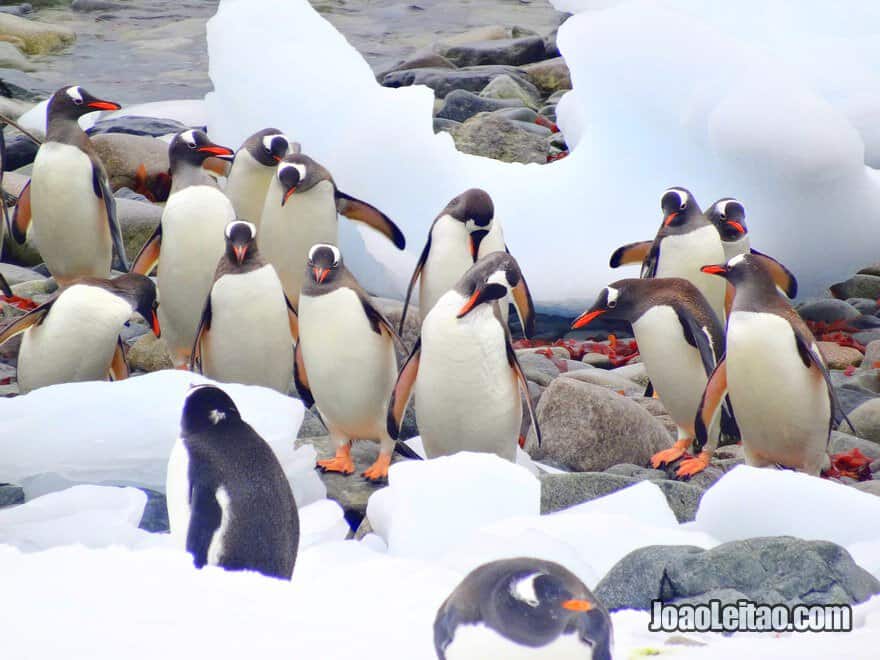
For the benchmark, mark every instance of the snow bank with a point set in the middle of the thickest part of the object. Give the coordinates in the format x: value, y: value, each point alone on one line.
x: 769, y: 105
x: 123, y: 433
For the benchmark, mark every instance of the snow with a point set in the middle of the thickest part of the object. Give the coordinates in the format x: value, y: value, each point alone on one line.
x: 123, y: 433
x: 773, y: 106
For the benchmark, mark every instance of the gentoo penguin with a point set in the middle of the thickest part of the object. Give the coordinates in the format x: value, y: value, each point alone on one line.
x: 252, y: 171
x: 345, y: 360
x: 464, y: 231
x: 301, y: 211
x: 685, y: 241
x: 74, y: 336
x: 229, y: 502
x: 522, y: 608
x: 772, y: 371
x: 463, y: 369
x: 729, y: 217
x: 188, y: 242
x: 248, y: 326
x: 680, y: 340
x: 68, y: 197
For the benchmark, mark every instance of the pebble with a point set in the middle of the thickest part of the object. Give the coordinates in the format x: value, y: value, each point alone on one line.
x: 839, y: 357
x: 864, y: 305
x: 486, y: 134
x: 866, y: 419
x: 460, y: 105
x: 550, y: 75
x: 149, y: 354
x: 507, y: 87
x: 608, y: 380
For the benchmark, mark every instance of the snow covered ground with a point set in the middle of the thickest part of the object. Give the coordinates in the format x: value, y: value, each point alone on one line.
x: 774, y: 103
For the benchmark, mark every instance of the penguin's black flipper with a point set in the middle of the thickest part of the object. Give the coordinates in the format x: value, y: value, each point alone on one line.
x: 356, y: 209
x: 649, y: 389
x: 148, y: 257
x: 524, y: 386
x: 412, y: 282
x: 21, y: 216
x: 445, y: 624
x: 404, y: 450
x: 195, y: 356
x: 632, y: 253
x: 22, y: 323
x: 102, y: 190
x: 710, y: 404
x: 301, y: 378
x: 782, y: 276
x: 292, y: 319
x: 649, y: 265
x: 809, y: 353
x: 204, y: 521
x: 4, y: 287
x: 403, y: 388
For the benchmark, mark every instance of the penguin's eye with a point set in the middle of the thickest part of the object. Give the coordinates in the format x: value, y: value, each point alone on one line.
x: 724, y: 216
x: 191, y: 145
x: 77, y: 101
x: 611, y: 304
x: 683, y: 206
x: 335, y: 263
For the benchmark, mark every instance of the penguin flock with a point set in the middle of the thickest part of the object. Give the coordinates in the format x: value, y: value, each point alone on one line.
x: 251, y: 287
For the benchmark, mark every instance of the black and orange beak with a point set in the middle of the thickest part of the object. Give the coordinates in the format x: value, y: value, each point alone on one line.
x: 575, y: 605
x: 154, y: 323
x: 217, y: 150
x: 320, y: 274
x: 472, y: 302
x: 104, y: 105
x: 714, y: 269
x: 476, y: 237
x: 586, y: 318
x: 287, y: 195
x: 669, y: 218
x: 739, y: 228
x: 240, y: 253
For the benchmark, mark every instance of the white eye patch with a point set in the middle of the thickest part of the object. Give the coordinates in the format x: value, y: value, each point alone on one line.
x: 267, y: 141
x: 524, y: 590
x: 499, y: 277
x: 682, y: 195
x: 332, y: 248
x: 189, y: 137
x: 75, y: 94
x: 301, y: 169
x: 252, y: 227
x: 612, y: 296
x: 734, y: 261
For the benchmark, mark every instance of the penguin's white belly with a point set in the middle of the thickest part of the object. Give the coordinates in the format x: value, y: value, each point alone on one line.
x: 76, y: 340
x: 466, y: 393
x: 480, y: 642
x: 673, y: 365
x: 288, y: 232
x: 69, y: 221
x: 684, y: 255
x: 448, y: 259
x: 177, y: 493
x: 217, y: 545
x: 494, y: 242
x: 740, y: 246
x: 782, y: 408
x: 246, y: 187
x: 249, y: 340
x: 193, y: 240
x: 351, y: 369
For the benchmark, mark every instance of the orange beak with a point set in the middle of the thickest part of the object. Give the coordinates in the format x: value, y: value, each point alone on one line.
x: 104, y: 105
x: 669, y: 218
x: 737, y: 226
x: 474, y: 247
x: 320, y: 274
x: 470, y: 304
x: 277, y: 158
x: 714, y: 270
x: 216, y: 150
x: 155, y: 323
x: 287, y: 195
x: 586, y: 318
x: 578, y: 605
x: 240, y: 252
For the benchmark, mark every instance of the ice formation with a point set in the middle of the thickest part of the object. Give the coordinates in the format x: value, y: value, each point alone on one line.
x: 770, y: 104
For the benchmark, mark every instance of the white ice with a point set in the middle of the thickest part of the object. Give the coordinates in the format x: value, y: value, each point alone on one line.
x: 771, y: 104
x: 123, y: 432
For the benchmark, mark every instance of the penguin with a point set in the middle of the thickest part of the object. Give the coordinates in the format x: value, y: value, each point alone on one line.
x: 229, y: 502
x: 729, y: 217
x: 680, y: 340
x: 773, y: 373
x: 248, y: 326
x: 68, y: 198
x: 463, y: 369
x: 300, y: 211
x: 252, y: 171
x: 522, y: 608
x: 74, y: 336
x: 188, y: 242
x: 685, y: 241
x: 345, y: 360
x: 464, y: 231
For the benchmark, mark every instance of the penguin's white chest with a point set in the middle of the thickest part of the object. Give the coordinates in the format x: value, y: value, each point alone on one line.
x: 466, y: 393
x: 480, y: 642
x: 673, y: 365
x: 177, y: 491
x: 781, y: 406
x: 741, y: 245
x: 75, y: 341
x: 69, y: 220
x: 683, y: 255
x: 247, y: 185
x: 351, y: 368
x: 448, y: 259
x: 249, y: 339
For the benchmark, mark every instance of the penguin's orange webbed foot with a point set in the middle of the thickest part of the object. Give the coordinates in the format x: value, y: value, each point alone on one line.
x: 672, y: 454
x: 342, y: 462
x: 24, y: 304
x: 378, y: 471
x: 692, y: 466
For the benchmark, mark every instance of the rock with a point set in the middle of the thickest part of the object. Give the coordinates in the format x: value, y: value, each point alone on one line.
x: 589, y: 428
x: 11, y: 494
x: 599, y: 360
x: 39, y: 38
x: 858, y: 286
x: 149, y: 354
x: 538, y: 368
x: 95, y: 5
x: 607, y: 379
x: 872, y: 487
x: 531, y: 127
x: 866, y: 419
x: 655, y: 407
x: 853, y: 391
x: 420, y: 61
x: 20, y: 152
x: 774, y: 570
x: 827, y: 310
x: 841, y: 442
x: 137, y: 125
x: 312, y: 427
x: 17, y: 275
x: 392, y: 309
x: 839, y: 357
x: 517, y: 113
x: 557, y: 352
x: 12, y: 58
x: 17, y: 10
x: 155, y: 516
x: 460, y: 105
x: 864, y: 305
x: 485, y: 33
x: 871, y: 359
x: 35, y: 288
x: 637, y: 472
x: 505, y: 87
x: 550, y: 75
x: 443, y: 81
x: 873, y: 269
x: 138, y: 221
x: 548, y: 111
x: 445, y: 125
x: 634, y: 371
x: 488, y: 135
x: 496, y: 51
x: 122, y: 155
x: 866, y: 337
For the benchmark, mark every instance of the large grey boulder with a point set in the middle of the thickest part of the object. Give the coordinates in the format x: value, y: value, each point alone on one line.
x: 487, y: 134
x: 495, y: 51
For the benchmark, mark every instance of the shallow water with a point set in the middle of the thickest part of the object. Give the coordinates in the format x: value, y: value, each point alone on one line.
x: 156, y: 50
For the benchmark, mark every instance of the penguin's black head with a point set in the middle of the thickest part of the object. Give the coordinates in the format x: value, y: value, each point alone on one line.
x: 298, y: 173
x: 194, y: 147
x: 324, y: 263
x: 493, y: 277
x: 729, y: 217
x: 74, y: 102
x: 241, y: 237
x: 205, y: 407
x: 756, y: 270
x: 475, y: 209
x: 678, y: 205
x: 140, y: 292
x: 615, y: 301
x: 268, y: 146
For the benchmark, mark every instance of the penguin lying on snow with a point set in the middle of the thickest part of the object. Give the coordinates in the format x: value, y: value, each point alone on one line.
x: 248, y: 326
x: 300, y: 211
x: 227, y: 494
x: 464, y: 231
x: 773, y: 372
x: 522, y: 608
x: 69, y: 196
x: 74, y: 336
x: 463, y: 368
x: 680, y: 341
